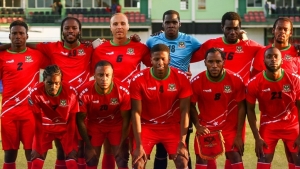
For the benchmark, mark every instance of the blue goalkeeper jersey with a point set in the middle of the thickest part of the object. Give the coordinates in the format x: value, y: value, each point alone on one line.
x: 181, y: 48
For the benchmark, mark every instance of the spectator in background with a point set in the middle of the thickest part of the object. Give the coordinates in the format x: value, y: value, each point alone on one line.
x: 273, y: 8
x: 114, y: 7
x: 59, y: 8
x: 267, y: 8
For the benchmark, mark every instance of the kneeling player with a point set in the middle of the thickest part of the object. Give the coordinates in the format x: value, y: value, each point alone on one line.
x: 105, y: 103
x: 54, y: 107
x: 218, y: 93
x: 278, y: 95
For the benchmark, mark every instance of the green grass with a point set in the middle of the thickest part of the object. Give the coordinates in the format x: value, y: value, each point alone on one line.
x: 249, y: 158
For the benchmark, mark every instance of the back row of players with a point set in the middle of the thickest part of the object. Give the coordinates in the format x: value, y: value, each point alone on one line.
x: 152, y: 91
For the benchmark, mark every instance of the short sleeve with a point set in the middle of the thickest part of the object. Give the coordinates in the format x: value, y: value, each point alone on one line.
x: 240, y: 88
x: 251, y: 92
x: 75, y: 104
x: 125, y: 105
x: 44, y: 48
x: 149, y: 42
x: 135, y: 88
x: 146, y: 58
x: 258, y: 63
x: 33, y: 104
x: 186, y: 89
x: 199, y: 54
x: 195, y: 87
x: 83, y: 102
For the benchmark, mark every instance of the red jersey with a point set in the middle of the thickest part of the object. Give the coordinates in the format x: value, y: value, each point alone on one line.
x: 217, y: 99
x: 74, y: 63
x: 239, y: 56
x: 19, y: 73
x: 290, y: 58
x: 126, y: 59
x: 104, y: 109
x: 54, y: 111
x: 160, y: 98
x: 276, y: 98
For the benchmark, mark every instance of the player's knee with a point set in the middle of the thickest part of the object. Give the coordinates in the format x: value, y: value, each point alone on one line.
x: 72, y: 155
x: 199, y: 160
x: 267, y: 158
x: 93, y: 162
x: 140, y: 164
x: 181, y: 162
x: 233, y: 156
x: 107, y: 147
x: 122, y: 161
x: 10, y: 156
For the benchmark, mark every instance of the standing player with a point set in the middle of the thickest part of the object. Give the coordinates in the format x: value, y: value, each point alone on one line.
x: 126, y: 56
x: 160, y: 98
x: 182, y: 47
x: 218, y: 93
x: 110, y: 122
x: 19, y: 71
x: 282, y: 31
x: 54, y: 106
x: 239, y: 55
x: 278, y: 95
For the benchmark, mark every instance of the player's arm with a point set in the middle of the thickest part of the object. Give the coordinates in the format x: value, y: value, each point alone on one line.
x: 201, y: 130
x: 184, y: 107
x: 125, y: 126
x: 259, y: 142
x: 238, y: 142
x: 5, y: 46
x: 297, y: 142
x: 89, y: 150
x: 136, y: 110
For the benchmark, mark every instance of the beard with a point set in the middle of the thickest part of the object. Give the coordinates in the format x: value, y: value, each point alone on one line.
x: 271, y: 69
x: 71, y: 41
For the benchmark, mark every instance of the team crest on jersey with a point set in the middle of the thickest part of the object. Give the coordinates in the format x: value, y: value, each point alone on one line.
x: 114, y: 101
x: 227, y: 89
x: 81, y: 52
x: 239, y: 49
x: 172, y: 87
x: 130, y: 51
x: 181, y: 45
x: 28, y: 59
x: 63, y: 103
x: 286, y: 88
x: 287, y: 57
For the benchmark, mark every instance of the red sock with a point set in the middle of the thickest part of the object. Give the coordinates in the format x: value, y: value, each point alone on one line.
x: 237, y: 165
x: 60, y: 164
x: 71, y: 164
x: 9, y: 166
x: 291, y: 166
x: 211, y: 164
x: 227, y: 164
x: 108, y: 161
x: 29, y: 164
x: 201, y: 166
x: 81, y: 163
x: 91, y: 167
x: 37, y: 163
x: 263, y: 165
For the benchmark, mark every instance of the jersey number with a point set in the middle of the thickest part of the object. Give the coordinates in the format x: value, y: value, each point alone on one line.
x: 20, y: 64
x: 276, y: 95
x: 229, y: 55
x: 172, y: 48
x: 217, y: 96
x: 119, y: 58
x: 103, y: 107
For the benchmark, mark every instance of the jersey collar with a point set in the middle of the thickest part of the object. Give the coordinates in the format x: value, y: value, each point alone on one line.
x: 152, y: 74
x: 223, y: 76
x: 22, y: 51
x: 224, y: 40
x: 286, y: 48
x: 65, y: 46
x: 101, y: 93
x: 270, y: 80
x: 114, y: 44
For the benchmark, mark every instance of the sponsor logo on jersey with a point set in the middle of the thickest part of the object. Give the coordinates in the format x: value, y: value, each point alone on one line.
x: 114, y: 101
x: 130, y: 51
x: 10, y: 61
x: 181, y: 45
x: 172, y: 87
x: 208, y: 90
x: 63, y: 103
x: 227, y: 89
x: 81, y: 52
x: 239, y: 49
x: 266, y: 90
x: 64, y: 53
x: 286, y: 88
x: 110, y: 53
x: 28, y: 59
x: 152, y: 88
x: 95, y: 101
x: 287, y: 57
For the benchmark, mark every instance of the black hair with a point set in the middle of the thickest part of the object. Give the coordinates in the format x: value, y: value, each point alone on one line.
x: 160, y: 48
x: 231, y: 16
x: 170, y: 12
x: 214, y: 50
x: 269, y: 48
x: 18, y: 23
x: 103, y: 63
x: 283, y: 19
x: 62, y: 27
x: 51, y: 70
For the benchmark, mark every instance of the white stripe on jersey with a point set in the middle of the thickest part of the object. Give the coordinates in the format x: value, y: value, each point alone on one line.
x: 243, y: 69
x: 168, y: 113
x: 130, y: 74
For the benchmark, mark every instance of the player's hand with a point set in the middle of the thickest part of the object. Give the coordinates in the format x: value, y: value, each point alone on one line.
x: 89, y: 154
x: 243, y: 35
x: 157, y: 33
x: 122, y: 153
x: 182, y: 151
x: 260, y: 144
x: 297, y: 144
x: 135, y: 38
x: 97, y: 42
x: 189, y: 74
x: 202, y: 130
x: 239, y: 144
x: 138, y: 153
